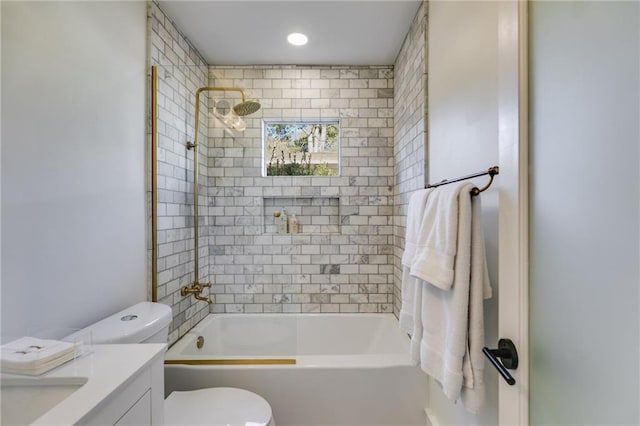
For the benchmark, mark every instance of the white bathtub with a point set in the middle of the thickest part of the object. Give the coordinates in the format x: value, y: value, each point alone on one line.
x: 314, y: 369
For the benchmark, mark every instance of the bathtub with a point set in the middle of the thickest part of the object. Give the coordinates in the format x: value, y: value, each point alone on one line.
x: 314, y: 369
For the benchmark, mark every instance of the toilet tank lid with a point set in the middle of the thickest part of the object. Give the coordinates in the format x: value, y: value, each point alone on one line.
x: 131, y: 325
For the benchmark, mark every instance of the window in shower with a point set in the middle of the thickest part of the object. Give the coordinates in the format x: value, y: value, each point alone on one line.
x: 301, y: 148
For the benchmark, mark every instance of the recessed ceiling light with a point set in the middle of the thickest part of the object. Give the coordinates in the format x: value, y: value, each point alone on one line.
x: 297, y: 39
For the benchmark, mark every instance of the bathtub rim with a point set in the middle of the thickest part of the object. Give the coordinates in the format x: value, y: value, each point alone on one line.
x: 175, y: 356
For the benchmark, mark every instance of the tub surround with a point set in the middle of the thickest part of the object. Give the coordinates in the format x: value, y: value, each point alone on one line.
x: 117, y: 376
x: 181, y: 71
x: 340, y: 261
x: 410, y: 133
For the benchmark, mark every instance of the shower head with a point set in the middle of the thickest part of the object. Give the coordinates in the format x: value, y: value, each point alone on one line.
x: 246, y: 107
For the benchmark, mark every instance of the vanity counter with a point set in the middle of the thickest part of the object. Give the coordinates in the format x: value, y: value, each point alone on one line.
x: 124, y: 385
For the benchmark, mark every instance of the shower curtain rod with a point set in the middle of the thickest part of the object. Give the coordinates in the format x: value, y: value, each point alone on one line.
x: 491, y: 171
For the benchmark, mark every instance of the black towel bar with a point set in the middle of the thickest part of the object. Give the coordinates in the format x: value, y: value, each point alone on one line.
x: 491, y: 171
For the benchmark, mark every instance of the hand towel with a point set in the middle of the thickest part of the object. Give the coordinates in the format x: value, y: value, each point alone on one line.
x: 415, y: 213
x: 437, y: 237
x: 415, y: 216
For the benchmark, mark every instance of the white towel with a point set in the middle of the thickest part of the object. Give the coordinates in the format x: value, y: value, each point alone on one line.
x: 415, y: 213
x: 416, y: 332
x: 32, y: 356
x: 415, y: 216
x: 445, y: 311
x: 472, y: 392
x: 437, y: 238
x: 449, y: 320
x: 406, y: 315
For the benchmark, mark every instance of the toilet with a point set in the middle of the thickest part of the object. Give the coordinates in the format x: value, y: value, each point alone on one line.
x: 148, y: 322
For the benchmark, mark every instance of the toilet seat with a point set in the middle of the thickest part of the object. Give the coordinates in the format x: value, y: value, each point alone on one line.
x: 217, y: 407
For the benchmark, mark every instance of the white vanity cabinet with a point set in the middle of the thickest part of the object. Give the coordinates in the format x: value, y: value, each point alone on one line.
x: 134, y: 405
x: 125, y: 387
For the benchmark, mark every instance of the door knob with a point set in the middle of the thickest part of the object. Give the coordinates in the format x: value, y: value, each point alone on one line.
x: 508, y: 354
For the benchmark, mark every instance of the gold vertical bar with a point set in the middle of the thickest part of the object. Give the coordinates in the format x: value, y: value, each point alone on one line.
x: 196, y: 265
x: 154, y: 185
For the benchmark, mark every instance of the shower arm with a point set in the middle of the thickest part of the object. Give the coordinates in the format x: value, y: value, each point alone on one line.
x: 197, y: 287
x: 194, y: 145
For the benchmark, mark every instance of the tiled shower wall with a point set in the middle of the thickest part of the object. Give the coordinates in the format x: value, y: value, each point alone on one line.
x: 410, y: 115
x: 181, y: 70
x: 255, y: 270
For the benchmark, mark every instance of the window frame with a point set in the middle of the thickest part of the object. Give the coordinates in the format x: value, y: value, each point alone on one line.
x: 268, y: 121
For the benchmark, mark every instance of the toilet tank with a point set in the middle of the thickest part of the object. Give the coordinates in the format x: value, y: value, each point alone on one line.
x: 146, y: 322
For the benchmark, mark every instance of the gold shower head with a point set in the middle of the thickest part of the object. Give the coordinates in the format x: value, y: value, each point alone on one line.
x: 246, y: 107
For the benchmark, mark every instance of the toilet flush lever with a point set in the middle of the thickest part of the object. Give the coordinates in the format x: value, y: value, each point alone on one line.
x: 508, y: 354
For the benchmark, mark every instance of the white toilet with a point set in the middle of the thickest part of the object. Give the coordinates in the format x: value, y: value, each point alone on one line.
x: 148, y: 322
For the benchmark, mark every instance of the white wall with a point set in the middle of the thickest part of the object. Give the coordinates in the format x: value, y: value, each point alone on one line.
x: 463, y: 139
x: 585, y: 213
x: 73, y: 149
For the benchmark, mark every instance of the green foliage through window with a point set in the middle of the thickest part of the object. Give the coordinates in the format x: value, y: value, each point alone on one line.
x: 301, y: 148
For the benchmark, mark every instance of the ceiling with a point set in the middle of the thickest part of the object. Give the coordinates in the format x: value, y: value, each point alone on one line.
x: 341, y: 32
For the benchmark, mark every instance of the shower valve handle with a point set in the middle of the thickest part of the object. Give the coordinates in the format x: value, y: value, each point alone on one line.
x: 196, y: 289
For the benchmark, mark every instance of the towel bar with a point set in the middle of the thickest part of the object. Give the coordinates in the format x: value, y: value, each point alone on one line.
x: 491, y: 171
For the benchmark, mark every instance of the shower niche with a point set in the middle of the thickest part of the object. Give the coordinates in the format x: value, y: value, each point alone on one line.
x: 316, y: 215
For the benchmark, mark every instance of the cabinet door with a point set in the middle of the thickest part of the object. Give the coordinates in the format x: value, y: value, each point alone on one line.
x: 139, y: 414
x: 122, y: 401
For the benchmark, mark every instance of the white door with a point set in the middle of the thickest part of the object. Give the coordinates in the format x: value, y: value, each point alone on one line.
x: 513, y: 400
x: 475, y: 105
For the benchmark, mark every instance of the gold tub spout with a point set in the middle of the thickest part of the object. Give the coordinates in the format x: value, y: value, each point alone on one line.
x: 196, y: 289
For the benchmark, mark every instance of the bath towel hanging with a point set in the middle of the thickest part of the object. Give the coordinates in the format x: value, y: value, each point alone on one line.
x: 415, y: 212
x: 451, y: 281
